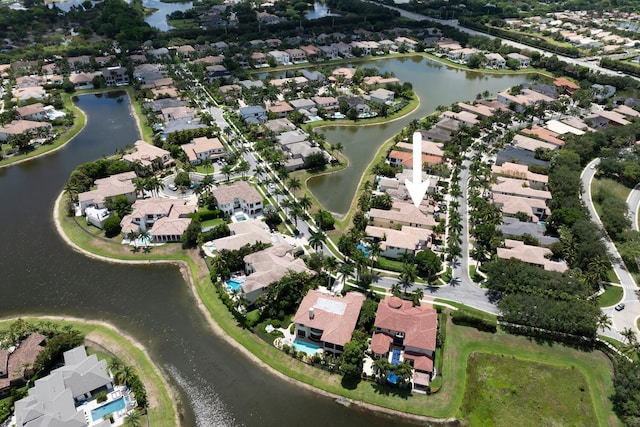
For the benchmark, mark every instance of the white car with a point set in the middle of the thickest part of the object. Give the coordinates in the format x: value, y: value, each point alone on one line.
x: 172, y: 187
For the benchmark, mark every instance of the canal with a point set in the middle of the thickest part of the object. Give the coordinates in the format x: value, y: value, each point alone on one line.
x: 42, y: 276
x: 435, y: 84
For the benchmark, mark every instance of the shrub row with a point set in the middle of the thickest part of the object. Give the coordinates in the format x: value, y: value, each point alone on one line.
x: 466, y: 319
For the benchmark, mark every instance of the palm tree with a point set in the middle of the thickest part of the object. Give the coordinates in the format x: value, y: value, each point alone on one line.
x: 207, y: 163
x: 396, y: 290
x: 115, y: 365
x: 139, y: 184
x: 346, y: 269
x: 374, y: 251
x: 416, y: 296
x: 330, y: 264
x: 294, y: 184
x: 305, y: 202
x: 382, y: 367
x: 133, y: 419
x: 243, y: 167
x: 604, y: 322
x: 226, y: 171
x: 408, y: 276
x: 317, y: 239
x: 296, y: 212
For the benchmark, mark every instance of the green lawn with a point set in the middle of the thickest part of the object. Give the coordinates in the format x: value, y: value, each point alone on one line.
x: 611, y: 296
x: 612, y: 277
x: 507, y: 391
x: 389, y: 264
x: 602, y: 189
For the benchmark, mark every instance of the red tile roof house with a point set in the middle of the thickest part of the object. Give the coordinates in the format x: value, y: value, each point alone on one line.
x: 412, y: 330
x: 328, y: 320
x: 16, y: 366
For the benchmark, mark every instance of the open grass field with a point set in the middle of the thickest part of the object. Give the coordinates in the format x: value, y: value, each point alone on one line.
x: 506, y: 391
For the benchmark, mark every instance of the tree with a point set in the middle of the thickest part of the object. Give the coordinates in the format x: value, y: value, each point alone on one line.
x: 382, y: 367
x: 243, y: 167
x: 408, y: 276
x: 315, y: 161
x: 396, y: 290
x: 190, y: 237
x: 305, y: 202
x: 346, y: 269
x: 119, y: 204
x: 111, y: 226
x: 317, y: 239
x: 428, y: 263
x: 294, y: 184
x: 324, y: 219
x: 226, y: 171
x: 416, y: 296
x: 133, y: 419
x: 182, y: 179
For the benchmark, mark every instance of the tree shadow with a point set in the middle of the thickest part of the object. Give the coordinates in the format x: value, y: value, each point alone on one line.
x: 350, y: 382
x: 389, y: 390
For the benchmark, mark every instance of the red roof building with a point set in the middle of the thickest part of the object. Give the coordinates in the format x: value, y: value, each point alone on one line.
x: 412, y: 330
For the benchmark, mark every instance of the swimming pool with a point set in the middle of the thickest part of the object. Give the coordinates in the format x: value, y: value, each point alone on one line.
x: 108, y: 409
x: 306, y: 347
x: 234, y: 284
x: 240, y: 217
x: 364, y: 249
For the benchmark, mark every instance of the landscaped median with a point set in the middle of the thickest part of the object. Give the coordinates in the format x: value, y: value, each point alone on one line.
x: 103, y: 338
x: 460, y: 343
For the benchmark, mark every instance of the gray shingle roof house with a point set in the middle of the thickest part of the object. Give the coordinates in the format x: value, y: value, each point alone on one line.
x: 253, y: 114
x: 52, y: 401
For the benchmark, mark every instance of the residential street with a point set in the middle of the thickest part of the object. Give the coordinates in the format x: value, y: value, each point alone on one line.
x: 633, y: 201
x: 627, y: 317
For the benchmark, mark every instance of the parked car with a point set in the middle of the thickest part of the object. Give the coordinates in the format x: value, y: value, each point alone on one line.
x: 172, y: 187
x: 619, y: 307
x: 192, y: 185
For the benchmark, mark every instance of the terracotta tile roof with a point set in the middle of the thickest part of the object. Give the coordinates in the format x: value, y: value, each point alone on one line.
x: 544, y: 134
x: 402, y: 212
x: 145, y: 153
x: 518, y: 187
x: 563, y: 82
x: 515, y: 170
x: 380, y: 343
x: 420, y: 362
x: 270, y: 265
x: 22, y: 358
x: 335, y: 316
x: 418, y: 323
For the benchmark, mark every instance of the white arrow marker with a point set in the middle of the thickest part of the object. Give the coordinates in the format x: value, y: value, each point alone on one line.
x: 417, y: 188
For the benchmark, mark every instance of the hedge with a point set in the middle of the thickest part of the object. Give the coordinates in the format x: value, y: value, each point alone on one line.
x: 466, y: 319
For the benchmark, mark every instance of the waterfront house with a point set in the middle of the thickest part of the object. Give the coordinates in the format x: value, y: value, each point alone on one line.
x: 405, y: 332
x: 238, y: 196
x: 267, y: 266
x: 16, y: 366
x: 67, y: 396
x: 165, y: 219
x: 34, y: 112
x: 382, y: 96
x: 148, y: 155
x: 523, y: 61
x: 24, y: 127
x: 115, y: 76
x: 280, y: 57
x: 495, y: 60
x: 111, y: 186
x: 328, y: 320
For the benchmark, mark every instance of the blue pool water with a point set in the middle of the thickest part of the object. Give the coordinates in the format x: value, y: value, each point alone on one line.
x: 234, y: 284
x: 306, y: 347
x: 395, y: 359
x: 364, y: 249
x: 109, y: 408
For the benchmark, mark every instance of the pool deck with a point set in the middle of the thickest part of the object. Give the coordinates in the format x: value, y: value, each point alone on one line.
x: 118, y: 416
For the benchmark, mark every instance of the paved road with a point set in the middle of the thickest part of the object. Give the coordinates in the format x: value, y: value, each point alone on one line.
x: 627, y: 317
x: 633, y: 201
x: 454, y: 23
